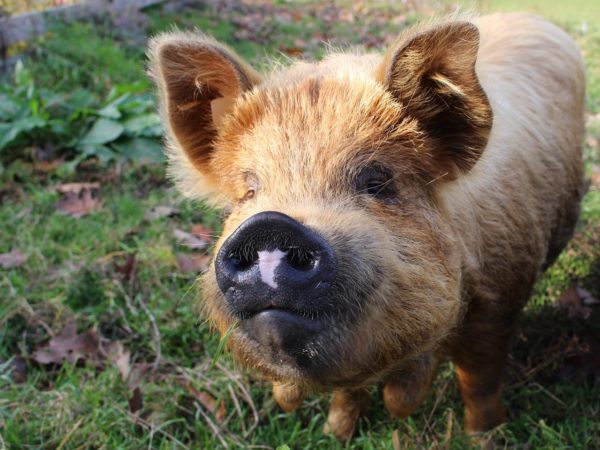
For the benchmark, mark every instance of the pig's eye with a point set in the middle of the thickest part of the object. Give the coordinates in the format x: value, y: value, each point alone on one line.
x: 375, y: 182
x: 252, y: 184
x: 249, y: 194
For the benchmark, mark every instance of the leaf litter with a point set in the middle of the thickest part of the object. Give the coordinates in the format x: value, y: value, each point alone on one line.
x: 70, y: 346
x: 78, y: 199
x: 190, y: 240
x: 160, y: 211
x: 189, y: 263
x: 12, y: 259
x: 577, y: 302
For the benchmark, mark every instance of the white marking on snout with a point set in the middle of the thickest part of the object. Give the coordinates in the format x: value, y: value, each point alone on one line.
x: 267, y: 263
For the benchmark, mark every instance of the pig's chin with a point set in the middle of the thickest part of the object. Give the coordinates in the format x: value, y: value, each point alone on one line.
x: 284, y: 343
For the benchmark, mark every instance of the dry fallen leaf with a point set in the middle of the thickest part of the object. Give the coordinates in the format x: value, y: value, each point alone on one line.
x: 204, y: 233
x: 16, y: 368
x: 120, y: 357
x: 71, y: 346
x: 208, y: 401
x: 192, y: 263
x: 46, y: 166
x: 160, y: 211
x: 136, y: 402
x: 128, y: 268
x: 577, y: 302
x: 189, y: 240
x: 587, y: 299
x: 12, y: 259
x: 79, y: 199
x: 76, y: 188
x: 135, y: 377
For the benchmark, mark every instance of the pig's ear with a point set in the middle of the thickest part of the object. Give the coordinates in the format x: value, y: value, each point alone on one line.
x: 198, y: 80
x: 432, y: 74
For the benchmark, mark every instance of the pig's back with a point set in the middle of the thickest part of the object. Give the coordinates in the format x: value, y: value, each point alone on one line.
x: 518, y: 205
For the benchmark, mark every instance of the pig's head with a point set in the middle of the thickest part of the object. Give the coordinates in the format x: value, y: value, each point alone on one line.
x: 335, y: 262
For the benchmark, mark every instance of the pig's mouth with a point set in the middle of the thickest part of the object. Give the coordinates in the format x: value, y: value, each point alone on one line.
x: 284, y: 336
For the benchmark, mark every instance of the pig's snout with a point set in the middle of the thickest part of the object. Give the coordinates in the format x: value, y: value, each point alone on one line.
x: 273, y: 262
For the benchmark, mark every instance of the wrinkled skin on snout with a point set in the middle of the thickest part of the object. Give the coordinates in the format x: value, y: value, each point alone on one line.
x: 338, y: 266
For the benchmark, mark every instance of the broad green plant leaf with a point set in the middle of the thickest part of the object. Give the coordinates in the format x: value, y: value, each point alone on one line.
x: 140, y: 149
x: 102, y: 152
x: 147, y: 125
x: 9, y: 132
x: 110, y: 111
x: 102, y: 132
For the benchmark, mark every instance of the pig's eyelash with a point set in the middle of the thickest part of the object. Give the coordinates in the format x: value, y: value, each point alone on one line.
x: 381, y: 186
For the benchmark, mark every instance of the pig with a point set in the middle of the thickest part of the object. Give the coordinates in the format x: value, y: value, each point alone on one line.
x: 384, y: 212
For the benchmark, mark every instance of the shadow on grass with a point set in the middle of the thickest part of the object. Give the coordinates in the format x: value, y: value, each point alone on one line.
x: 553, y: 377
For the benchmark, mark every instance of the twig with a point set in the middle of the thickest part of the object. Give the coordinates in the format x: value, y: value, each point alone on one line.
x: 435, y: 405
x: 449, y: 429
x: 246, y: 395
x: 69, y: 434
x: 236, y: 404
x: 144, y: 423
x: 213, y: 427
x: 155, y: 332
x: 548, y: 393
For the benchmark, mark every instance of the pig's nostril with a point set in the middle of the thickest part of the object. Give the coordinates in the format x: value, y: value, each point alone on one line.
x: 243, y: 260
x: 300, y: 259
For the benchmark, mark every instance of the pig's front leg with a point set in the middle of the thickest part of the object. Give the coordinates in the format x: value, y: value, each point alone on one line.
x: 406, y: 388
x: 480, y: 358
x: 346, y: 408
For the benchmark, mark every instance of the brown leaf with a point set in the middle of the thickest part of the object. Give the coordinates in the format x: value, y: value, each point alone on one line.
x: 208, y: 401
x: 189, y: 240
x: 292, y: 51
x: 79, y: 199
x: 577, y: 301
x: 16, y: 368
x: 12, y: 259
x: 76, y: 188
x: 128, y: 268
x: 192, y: 263
x: 120, y: 357
x: 137, y: 374
x: 160, y: 211
x: 204, y: 233
x: 71, y: 346
x: 46, y: 166
x: 136, y: 402
x: 587, y: 299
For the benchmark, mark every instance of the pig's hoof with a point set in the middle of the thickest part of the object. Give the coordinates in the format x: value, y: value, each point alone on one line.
x: 288, y: 396
x: 341, y: 424
x: 346, y: 409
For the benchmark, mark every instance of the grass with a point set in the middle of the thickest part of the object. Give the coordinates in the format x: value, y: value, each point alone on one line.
x: 75, y: 271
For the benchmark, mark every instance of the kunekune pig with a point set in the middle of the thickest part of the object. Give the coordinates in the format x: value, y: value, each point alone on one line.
x: 385, y: 211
